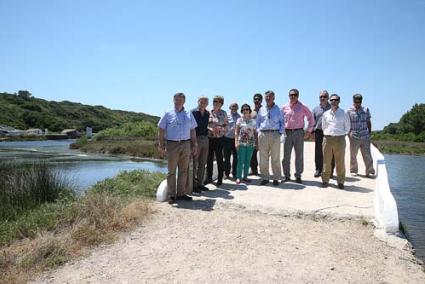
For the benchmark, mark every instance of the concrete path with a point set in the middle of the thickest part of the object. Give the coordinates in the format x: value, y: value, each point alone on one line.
x: 290, y: 198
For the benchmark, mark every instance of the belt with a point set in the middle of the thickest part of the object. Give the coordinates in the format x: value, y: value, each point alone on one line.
x: 269, y: 130
x: 295, y: 129
x: 178, y: 141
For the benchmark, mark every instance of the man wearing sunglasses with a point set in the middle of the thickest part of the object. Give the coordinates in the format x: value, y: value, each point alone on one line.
x: 177, y: 138
x: 318, y: 132
x: 361, y: 127
x: 295, y: 113
x: 335, y: 125
x: 258, y: 100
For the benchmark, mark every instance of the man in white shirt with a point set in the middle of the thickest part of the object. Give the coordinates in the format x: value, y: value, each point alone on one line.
x: 335, y: 124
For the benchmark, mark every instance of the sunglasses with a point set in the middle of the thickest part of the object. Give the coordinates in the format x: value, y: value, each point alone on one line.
x: 357, y: 102
x: 334, y: 100
x: 293, y: 95
x: 244, y: 109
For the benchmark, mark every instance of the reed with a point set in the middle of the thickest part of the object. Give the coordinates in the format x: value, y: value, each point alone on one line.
x: 26, y: 186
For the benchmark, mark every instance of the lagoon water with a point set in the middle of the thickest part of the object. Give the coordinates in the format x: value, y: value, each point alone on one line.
x: 83, y: 170
x: 406, y: 175
x: 407, y: 182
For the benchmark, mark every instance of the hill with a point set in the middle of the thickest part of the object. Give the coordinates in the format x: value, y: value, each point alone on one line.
x: 24, y: 111
x: 407, y: 136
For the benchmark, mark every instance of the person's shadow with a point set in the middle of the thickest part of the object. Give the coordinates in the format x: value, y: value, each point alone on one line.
x: 199, y: 204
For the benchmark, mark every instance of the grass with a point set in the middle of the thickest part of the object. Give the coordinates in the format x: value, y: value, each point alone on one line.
x: 400, y: 147
x: 130, y: 146
x: 53, y: 232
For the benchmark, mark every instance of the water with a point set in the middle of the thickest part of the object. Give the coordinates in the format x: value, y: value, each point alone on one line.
x: 82, y: 169
x: 407, y: 181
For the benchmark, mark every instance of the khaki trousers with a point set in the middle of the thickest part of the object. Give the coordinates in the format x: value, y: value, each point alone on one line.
x: 334, y: 145
x: 364, y: 146
x: 178, y: 154
x: 269, y: 146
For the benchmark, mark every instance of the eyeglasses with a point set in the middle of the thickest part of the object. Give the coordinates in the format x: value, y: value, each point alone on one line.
x: 357, y: 102
x: 323, y: 97
x: 293, y: 95
x: 334, y: 100
x: 244, y: 109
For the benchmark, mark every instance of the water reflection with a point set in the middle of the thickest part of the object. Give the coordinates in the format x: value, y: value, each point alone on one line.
x: 407, y: 183
x: 83, y: 170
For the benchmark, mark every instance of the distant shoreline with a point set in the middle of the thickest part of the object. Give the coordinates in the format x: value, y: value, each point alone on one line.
x: 400, y: 147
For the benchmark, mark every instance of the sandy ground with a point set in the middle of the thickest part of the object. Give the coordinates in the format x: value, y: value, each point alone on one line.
x: 201, y: 243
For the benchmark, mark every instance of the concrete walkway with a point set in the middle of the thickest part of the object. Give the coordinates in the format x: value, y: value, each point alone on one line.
x: 290, y: 198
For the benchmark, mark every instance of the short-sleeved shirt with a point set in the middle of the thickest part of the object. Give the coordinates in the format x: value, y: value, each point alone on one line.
x: 246, y: 135
x: 202, y: 121
x: 295, y: 114
x: 218, y: 120
x: 177, y: 124
x: 318, y: 113
x: 232, y: 118
x: 270, y: 119
x: 359, y: 119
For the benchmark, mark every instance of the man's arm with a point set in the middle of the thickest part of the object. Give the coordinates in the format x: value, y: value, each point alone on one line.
x: 161, y: 141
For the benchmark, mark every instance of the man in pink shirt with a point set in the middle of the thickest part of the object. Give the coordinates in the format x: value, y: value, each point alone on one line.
x: 295, y: 112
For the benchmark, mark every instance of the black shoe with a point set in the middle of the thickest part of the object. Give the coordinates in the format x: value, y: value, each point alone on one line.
x: 325, y: 184
x: 264, y: 182
x: 286, y: 179
x: 298, y: 180
x: 196, y: 189
x: 340, y: 186
x: 219, y: 182
x: 275, y: 182
x: 317, y: 174
x: 208, y: 181
x: 184, y: 197
x: 172, y: 200
x: 203, y: 188
x: 253, y: 173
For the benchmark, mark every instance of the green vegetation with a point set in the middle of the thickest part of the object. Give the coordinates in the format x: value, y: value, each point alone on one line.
x: 60, y: 225
x: 405, y: 137
x: 133, y: 138
x: 24, y: 111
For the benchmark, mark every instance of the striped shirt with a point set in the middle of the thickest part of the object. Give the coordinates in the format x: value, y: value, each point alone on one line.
x: 359, y: 119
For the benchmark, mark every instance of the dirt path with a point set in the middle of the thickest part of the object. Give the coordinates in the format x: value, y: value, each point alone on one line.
x: 182, y: 245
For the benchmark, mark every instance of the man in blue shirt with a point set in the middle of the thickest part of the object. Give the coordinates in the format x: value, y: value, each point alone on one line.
x: 177, y: 138
x: 270, y: 127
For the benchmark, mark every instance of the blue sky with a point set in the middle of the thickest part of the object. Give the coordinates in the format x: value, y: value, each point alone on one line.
x: 134, y: 55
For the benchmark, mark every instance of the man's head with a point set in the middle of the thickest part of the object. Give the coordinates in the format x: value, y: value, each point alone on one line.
x: 269, y: 95
x: 258, y: 99
x: 234, y: 107
x: 357, y: 100
x: 334, y: 99
x: 324, y: 97
x: 218, y: 102
x: 179, y: 100
x: 202, y: 102
x: 293, y: 96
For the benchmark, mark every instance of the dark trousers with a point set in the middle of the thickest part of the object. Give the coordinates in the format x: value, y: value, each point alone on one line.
x: 215, y: 149
x: 318, y: 151
x: 254, y: 162
x: 229, y: 149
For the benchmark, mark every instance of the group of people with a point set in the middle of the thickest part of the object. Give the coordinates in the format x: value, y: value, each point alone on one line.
x: 234, y: 139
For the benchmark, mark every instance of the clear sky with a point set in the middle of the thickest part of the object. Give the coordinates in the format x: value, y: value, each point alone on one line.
x: 134, y: 55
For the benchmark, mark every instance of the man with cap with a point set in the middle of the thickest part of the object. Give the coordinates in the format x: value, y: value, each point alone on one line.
x: 361, y: 128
